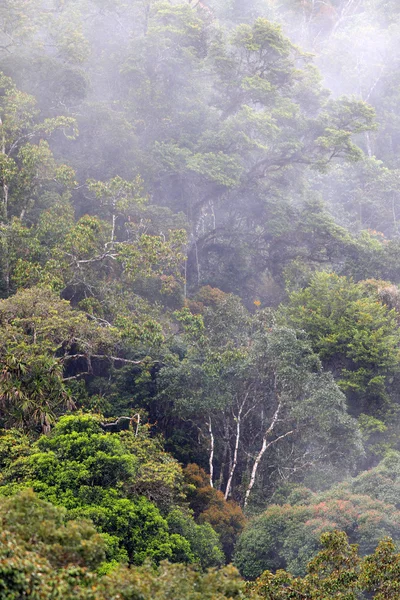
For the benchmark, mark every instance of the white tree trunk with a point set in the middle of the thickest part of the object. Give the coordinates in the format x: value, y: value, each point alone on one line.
x: 236, y: 451
x: 5, y: 186
x: 114, y: 219
x: 264, y: 448
x: 211, y: 452
x: 235, y: 455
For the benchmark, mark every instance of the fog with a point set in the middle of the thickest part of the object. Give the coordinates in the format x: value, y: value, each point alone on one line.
x: 200, y: 206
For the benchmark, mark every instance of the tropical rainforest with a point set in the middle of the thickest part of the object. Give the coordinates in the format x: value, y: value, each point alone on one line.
x: 199, y: 299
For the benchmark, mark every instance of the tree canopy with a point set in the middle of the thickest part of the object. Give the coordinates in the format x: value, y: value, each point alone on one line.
x: 199, y: 299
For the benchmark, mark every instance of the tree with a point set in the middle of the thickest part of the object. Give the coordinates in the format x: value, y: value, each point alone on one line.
x: 258, y: 387
x: 26, y: 161
x: 210, y: 506
x: 336, y: 572
x: 287, y: 536
x: 169, y: 580
x: 264, y: 97
x: 23, y: 572
x: 104, y: 478
x: 40, y: 527
x: 203, y: 539
x: 42, y: 338
x: 354, y: 333
x: 333, y: 573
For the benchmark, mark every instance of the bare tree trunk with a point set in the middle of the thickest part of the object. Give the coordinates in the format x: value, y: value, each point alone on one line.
x: 5, y: 186
x: 5, y: 200
x: 226, y: 452
x: 137, y: 423
x: 197, y: 262
x: 236, y: 451
x: 368, y: 141
x: 261, y: 453
x: 350, y: 7
x: 211, y: 452
x: 230, y: 458
x: 114, y: 219
x: 264, y: 448
x: 235, y: 455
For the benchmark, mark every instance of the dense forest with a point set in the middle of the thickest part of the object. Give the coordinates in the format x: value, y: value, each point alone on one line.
x: 199, y: 299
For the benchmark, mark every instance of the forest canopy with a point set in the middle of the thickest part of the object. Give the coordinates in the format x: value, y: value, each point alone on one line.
x: 199, y: 299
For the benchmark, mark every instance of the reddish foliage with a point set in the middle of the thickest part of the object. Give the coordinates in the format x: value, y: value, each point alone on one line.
x: 210, y: 506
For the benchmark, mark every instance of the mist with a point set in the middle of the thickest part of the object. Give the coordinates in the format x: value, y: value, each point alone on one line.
x: 199, y: 293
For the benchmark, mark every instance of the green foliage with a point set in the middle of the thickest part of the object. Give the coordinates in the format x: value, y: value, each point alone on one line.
x: 104, y: 478
x: 171, y: 580
x: 42, y: 554
x: 38, y: 331
x: 169, y: 172
x: 203, y: 539
x: 237, y: 371
x: 287, y: 536
x: 40, y: 527
x: 333, y: 573
x: 354, y: 333
x: 28, y: 573
x: 23, y: 573
x: 336, y: 572
x: 380, y: 482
